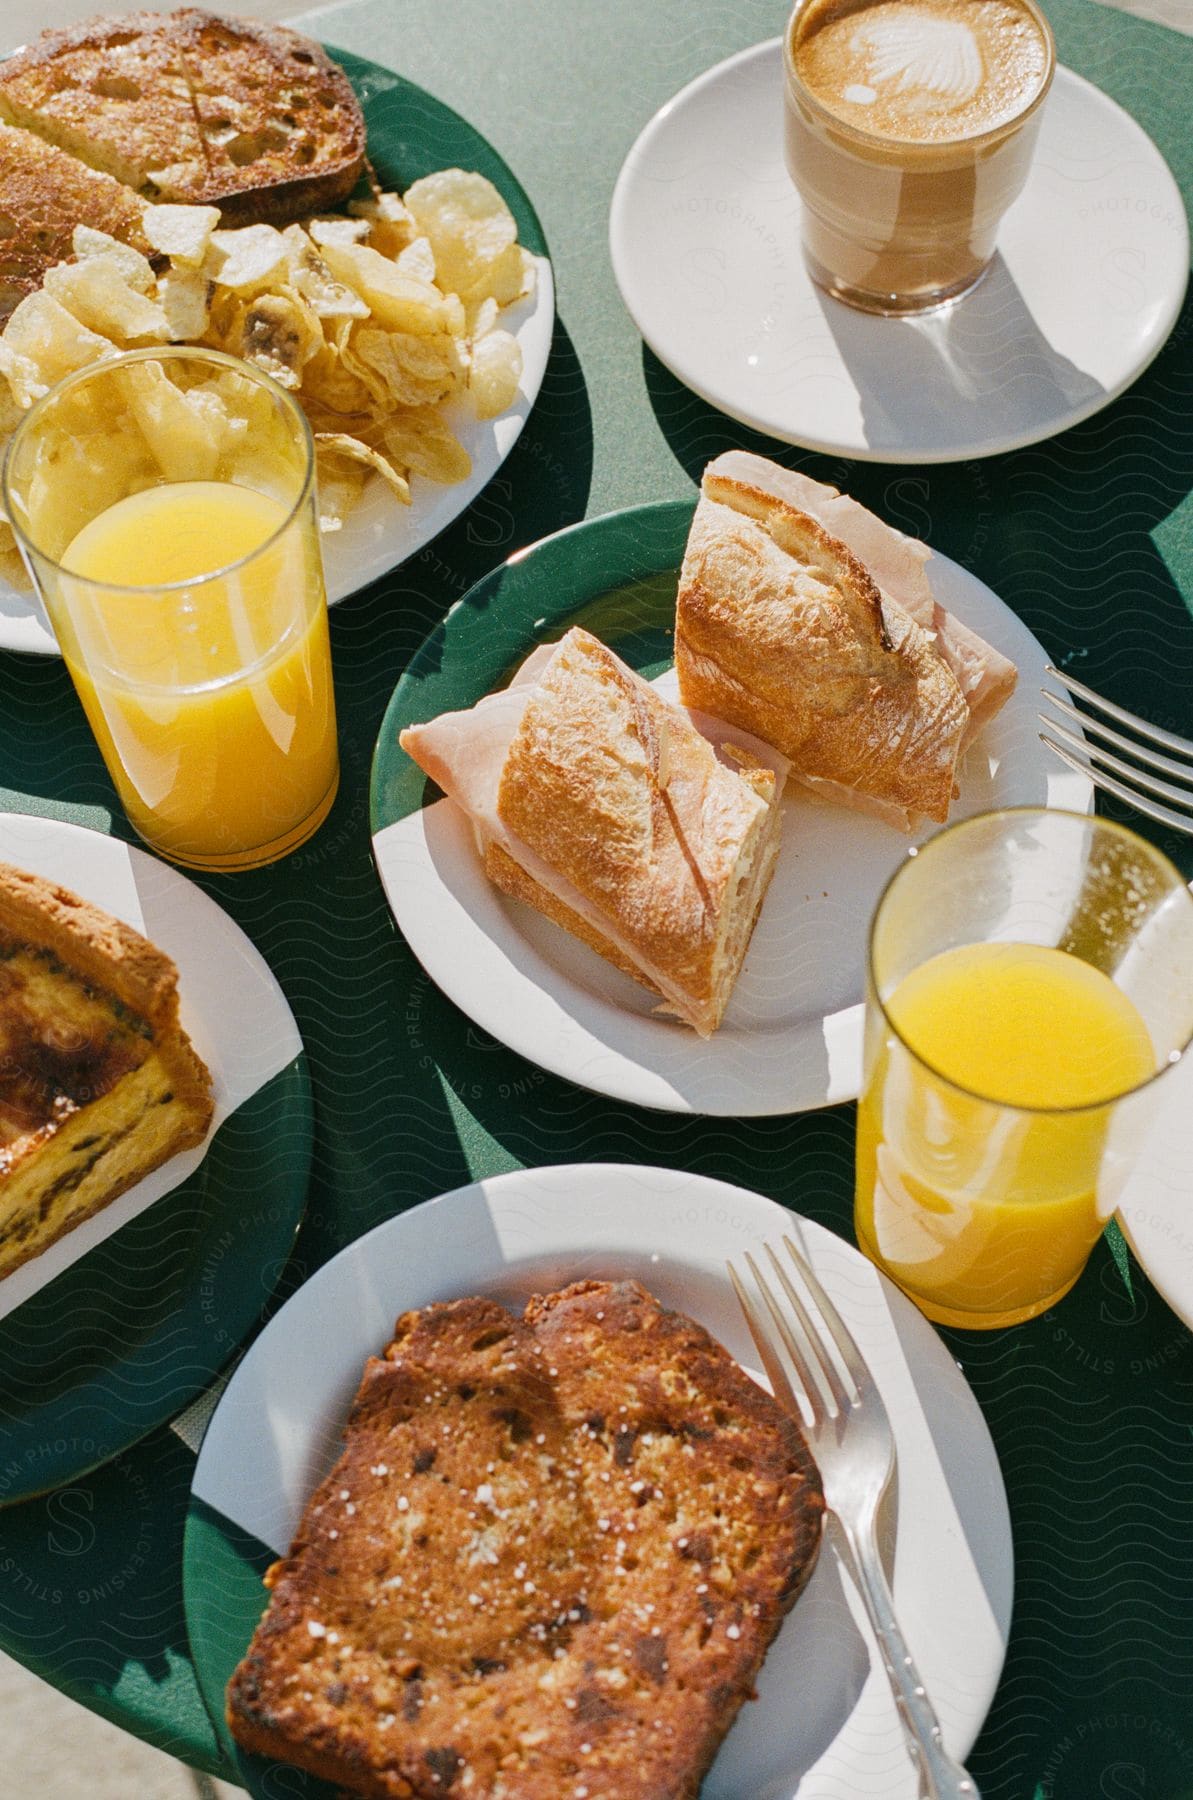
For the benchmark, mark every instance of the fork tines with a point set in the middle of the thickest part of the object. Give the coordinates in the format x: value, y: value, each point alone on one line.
x: 824, y: 1390
x: 1157, y: 784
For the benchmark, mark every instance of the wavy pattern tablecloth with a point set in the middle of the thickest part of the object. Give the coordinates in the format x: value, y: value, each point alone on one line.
x: 1089, y: 538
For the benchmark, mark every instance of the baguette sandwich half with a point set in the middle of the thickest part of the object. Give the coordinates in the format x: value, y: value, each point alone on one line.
x: 649, y: 835
x: 806, y: 620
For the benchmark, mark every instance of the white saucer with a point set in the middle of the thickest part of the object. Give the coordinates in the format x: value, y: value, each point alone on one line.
x: 824, y: 1723
x: 1087, y: 284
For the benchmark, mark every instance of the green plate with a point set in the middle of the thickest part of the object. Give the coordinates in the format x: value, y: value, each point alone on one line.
x: 791, y: 1036
x: 134, y: 1324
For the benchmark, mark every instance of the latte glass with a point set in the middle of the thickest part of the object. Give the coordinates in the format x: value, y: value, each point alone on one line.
x: 901, y: 214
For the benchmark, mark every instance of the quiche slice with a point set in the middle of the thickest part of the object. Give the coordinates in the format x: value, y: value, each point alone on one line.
x: 99, y: 1083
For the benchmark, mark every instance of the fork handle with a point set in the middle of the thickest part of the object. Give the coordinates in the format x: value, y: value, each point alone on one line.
x: 941, y: 1777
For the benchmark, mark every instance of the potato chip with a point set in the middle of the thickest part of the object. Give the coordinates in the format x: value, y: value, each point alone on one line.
x: 182, y: 233
x: 184, y: 295
x: 340, y: 482
x: 12, y: 564
x: 412, y: 371
x: 510, y: 277
x: 330, y: 445
x: 327, y: 384
x: 420, y: 440
x: 468, y: 223
x: 184, y: 429
x: 248, y: 259
x: 495, y: 372
x: 390, y: 222
x: 279, y: 333
x: 374, y: 320
x: 417, y: 259
x: 42, y: 331
x: 336, y: 230
x: 85, y: 241
x: 22, y: 374
x: 310, y: 275
x: 99, y: 297
x: 397, y: 300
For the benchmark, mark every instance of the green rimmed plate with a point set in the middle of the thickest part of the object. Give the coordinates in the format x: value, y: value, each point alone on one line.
x: 113, y: 1329
x: 410, y: 134
x: 791, y: 1038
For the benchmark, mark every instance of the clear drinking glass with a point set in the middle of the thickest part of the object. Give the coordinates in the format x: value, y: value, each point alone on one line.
x: 893, y: 223
x: 1007, y: 1086
x: 164, y: 502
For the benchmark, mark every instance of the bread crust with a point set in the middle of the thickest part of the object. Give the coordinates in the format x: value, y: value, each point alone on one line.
x: 44, y: 194
x: 780, y: 629
x: 197, y: 108
x: 410, y: 1645
x: 619, y: 795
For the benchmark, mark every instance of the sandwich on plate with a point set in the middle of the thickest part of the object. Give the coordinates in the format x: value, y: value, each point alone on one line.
x: 648, y: 832
x: 806, y: 620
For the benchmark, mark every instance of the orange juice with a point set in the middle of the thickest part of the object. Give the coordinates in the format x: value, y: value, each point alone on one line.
x: 981, y: 1198
x: 212, y: 704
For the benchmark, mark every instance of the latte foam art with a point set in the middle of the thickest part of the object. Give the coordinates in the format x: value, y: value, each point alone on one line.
x: 920, y: 52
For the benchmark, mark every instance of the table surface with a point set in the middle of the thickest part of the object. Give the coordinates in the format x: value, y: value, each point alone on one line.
x: 1088, y: 537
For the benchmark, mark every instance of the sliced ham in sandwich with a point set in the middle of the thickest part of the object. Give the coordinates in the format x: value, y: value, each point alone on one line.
x: 648, y: 832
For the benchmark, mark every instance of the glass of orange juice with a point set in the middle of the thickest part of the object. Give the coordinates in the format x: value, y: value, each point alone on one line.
x: 1030, y: 983
x: 164, y: 501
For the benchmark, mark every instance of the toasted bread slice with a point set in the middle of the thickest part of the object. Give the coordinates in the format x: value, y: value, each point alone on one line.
x: 44, y: 194
x: 99, y: 1084
x: 550, y: 1560
x: 195, y: 108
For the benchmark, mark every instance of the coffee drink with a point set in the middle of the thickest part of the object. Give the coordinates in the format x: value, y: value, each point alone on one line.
x: 910, y: 129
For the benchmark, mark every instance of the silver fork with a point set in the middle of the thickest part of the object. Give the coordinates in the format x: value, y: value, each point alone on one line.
x: 847, y: 1427
x: 1141, y: 782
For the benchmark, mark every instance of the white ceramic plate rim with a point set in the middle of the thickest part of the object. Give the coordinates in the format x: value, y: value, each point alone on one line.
x: 230, y: 1003
x: 555, y: 1002
x: 379, y: 535
x: 702, y: 379
x: 276, y: 1432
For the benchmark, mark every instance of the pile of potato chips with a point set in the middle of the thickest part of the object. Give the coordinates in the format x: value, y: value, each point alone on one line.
x: 377, y: 321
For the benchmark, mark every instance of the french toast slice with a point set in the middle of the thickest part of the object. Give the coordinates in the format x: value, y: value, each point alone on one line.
x: 196, y: 108
x: 550, y: 1560
x: 99, y: 1084
x: 44, y: 194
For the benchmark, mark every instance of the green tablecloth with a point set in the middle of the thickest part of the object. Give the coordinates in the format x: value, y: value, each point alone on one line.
x: 1089, y: 537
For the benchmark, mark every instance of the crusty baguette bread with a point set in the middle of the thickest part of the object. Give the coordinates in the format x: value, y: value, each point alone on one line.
x: 44, y: 194
x: 782, y: 629
x: 604, y: 806
x: 99, y: 1083
x: 196, y: 108
x: 550, y: 1560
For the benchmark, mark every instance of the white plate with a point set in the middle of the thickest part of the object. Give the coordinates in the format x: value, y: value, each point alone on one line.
x: 379, y: 534
x: 824, y: 1724
x: 791, y: 1037
x: 231, y: 1007
x: 1091, y: 270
